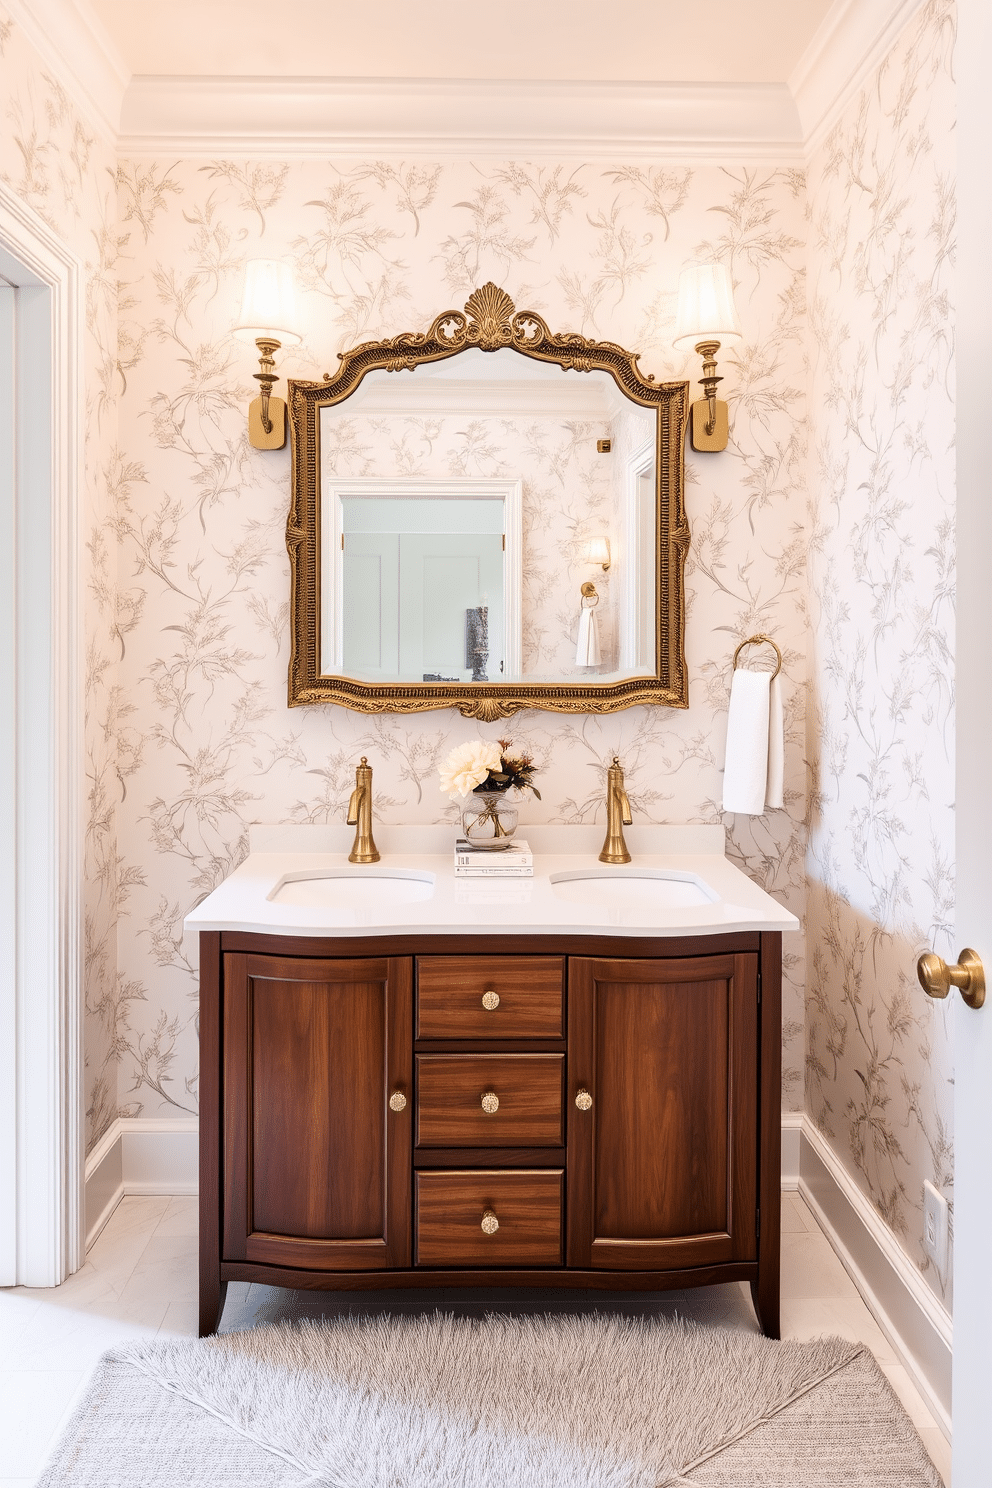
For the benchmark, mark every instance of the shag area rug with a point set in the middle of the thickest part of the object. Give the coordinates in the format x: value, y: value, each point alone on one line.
x: 503, y: 1402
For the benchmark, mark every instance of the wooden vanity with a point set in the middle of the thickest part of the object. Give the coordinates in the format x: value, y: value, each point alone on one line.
x: 588, y: 1111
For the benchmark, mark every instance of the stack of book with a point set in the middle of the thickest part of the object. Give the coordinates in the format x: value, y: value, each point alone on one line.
x: 514, y: 861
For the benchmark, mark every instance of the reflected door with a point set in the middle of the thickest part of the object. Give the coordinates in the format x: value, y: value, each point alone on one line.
x: 406, y: 597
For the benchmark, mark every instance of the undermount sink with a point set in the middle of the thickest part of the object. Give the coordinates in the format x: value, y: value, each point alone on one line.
x: 628, y: 888
x: 354, y: 888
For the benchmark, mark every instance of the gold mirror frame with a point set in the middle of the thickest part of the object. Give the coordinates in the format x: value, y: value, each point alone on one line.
x: 489, y: 323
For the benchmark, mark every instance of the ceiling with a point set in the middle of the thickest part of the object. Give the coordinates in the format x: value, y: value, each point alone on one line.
x: 718, y: 41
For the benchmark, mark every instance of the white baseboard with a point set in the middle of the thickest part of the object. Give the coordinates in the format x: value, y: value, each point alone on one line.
x: 792, y: 1125
x: 139, y: 1156
x: 913, y: 1319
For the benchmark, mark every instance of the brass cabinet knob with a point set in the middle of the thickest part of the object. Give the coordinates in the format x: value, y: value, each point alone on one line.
x: 490, y: 1224
x: 490, y: 1103
x: 937, y: 978
x: 397, y: 1101
x: 583, y: 1100
x: 490, y: 1001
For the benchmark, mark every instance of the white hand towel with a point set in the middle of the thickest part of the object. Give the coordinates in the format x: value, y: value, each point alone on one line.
x: 776, y: 746
x: 587, y: 648
x: 745, y: 775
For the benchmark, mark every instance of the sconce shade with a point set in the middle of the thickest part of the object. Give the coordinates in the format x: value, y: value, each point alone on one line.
x: 268, y: 307
x: 706, y: 309
x: 596, y: 550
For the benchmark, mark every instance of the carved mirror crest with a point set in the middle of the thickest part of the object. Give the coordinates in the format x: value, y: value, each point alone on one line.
x: 447, y: 530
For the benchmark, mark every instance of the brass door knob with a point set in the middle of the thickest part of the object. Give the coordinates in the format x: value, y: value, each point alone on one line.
x: 937, y: 978
x: 583, y: 1100
x: 490, y: 1103
x: 397, y: 1101
x: 490, y: 1224
x: 490, y: 1001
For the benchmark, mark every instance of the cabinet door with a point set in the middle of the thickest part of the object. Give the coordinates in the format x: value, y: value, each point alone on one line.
x: 662, y: 1165
x: 317, y: 1166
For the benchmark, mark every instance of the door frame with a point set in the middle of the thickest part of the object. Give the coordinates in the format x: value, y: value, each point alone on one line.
x: 41, y: 999
x: 973, y: 727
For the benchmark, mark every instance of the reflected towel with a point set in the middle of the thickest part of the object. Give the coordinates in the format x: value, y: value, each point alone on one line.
x: 587, y: 648
x: 753, y: 773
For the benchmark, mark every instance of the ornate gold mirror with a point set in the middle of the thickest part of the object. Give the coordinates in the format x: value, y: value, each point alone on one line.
x: 504, y: 529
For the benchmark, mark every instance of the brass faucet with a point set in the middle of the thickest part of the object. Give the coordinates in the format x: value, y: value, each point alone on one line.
x: 364, y: 849
x: 617, y: 816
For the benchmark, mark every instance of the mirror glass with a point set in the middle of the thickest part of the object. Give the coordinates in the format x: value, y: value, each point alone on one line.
x: 464, y: 506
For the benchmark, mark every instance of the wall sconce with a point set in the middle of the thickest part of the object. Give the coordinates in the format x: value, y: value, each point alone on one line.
x: 268, y: 317
x: 597, y: 550
x: 707, y: 319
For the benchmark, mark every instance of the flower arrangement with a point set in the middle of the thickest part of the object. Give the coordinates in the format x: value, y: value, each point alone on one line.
x: 482, y: 766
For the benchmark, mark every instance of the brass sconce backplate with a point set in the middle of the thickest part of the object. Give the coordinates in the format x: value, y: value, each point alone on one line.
x: 716, y: 439
x: 275, y: 436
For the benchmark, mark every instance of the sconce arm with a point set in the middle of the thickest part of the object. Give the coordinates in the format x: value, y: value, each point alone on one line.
x: 266, y: 376
x: 708, y: 350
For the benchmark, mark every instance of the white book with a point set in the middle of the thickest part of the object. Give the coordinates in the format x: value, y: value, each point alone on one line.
x: 468, y: 856
x: 524, y: 870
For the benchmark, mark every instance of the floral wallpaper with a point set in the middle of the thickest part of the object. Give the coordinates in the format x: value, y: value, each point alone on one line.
x: 57, y: 163
x: 206, y: 744
x: 881, y: 717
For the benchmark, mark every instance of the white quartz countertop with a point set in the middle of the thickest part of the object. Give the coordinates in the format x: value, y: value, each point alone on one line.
x: 309, y: 866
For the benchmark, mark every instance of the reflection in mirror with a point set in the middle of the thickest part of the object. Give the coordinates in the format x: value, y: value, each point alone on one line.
x: 458, y: 508
x: 421, y: 579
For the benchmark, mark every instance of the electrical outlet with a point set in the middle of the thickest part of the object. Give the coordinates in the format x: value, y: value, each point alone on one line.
x: 935, y: 1226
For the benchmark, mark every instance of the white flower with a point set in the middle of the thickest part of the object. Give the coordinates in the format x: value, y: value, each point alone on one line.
x: 467, y: 766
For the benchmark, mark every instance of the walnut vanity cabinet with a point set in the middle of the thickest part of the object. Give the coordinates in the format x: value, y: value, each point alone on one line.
x: 583, y: 1111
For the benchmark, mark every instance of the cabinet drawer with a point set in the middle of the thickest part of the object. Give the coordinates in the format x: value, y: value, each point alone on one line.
x: 450, y: 992
x: 528, y: 1098
x: 525, y: 1208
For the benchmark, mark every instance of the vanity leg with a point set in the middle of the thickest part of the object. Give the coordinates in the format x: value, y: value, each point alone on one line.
x: 766, y: 1305
x: 211, y: 1306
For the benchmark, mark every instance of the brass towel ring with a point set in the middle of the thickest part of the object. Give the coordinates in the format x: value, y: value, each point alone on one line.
x: 760, y: 640
x: 590, y: 596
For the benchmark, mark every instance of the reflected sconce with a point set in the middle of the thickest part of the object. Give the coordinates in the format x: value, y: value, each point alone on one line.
x: 597, y: 550
x: 269, y: 317
x: 707, y: 320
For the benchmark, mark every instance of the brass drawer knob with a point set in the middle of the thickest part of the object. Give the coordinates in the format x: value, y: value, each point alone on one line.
x: 490, y: 1103
x: 490, y: 1224
x: 583, y: 1100
x: 490, y: 1001
x: 397, y: 1101
x: 937, y: 978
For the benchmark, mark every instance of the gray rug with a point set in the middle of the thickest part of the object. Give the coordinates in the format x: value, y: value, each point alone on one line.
x: 521, y: 1402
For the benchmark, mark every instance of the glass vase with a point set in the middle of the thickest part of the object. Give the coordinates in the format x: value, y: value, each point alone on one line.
x: 489, y: 820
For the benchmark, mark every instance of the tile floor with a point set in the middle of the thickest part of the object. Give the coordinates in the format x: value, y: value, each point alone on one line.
x: 140, y: 1279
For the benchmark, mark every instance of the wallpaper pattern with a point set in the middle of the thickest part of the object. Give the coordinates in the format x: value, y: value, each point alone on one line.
x: 206, y: 743
x: 54, y: 161
x: 881, y: 718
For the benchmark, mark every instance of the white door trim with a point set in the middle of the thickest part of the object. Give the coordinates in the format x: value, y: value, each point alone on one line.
x: 47, y: 1001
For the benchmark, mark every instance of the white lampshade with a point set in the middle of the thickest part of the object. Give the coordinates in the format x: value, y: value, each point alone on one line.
x: 706, y: 306
x: 596, y: 550
x: 268, y: 307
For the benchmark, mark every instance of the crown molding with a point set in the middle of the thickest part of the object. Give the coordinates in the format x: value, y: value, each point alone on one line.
x: 851, y: 41
x: 195, y: 116
x: 73, y: 42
